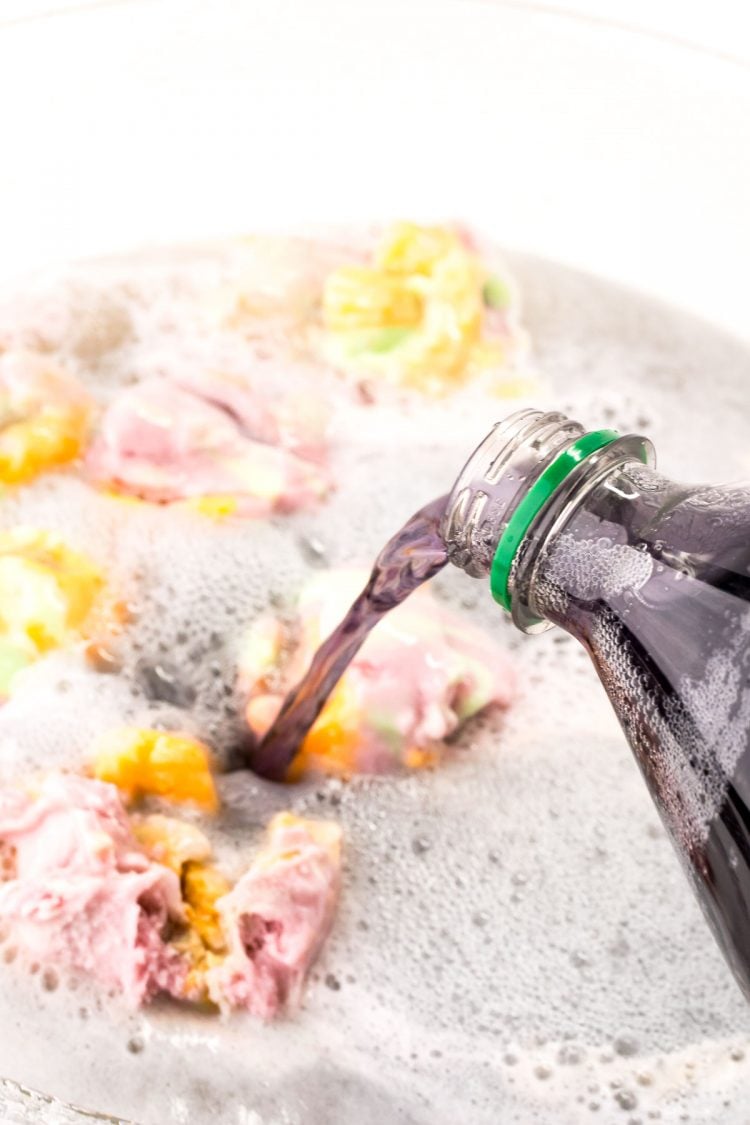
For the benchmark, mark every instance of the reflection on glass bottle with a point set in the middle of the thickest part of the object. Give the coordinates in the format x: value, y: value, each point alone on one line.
x: 580, y: 531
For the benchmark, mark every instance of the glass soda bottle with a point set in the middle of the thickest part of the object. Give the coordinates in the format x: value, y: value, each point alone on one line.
x: 578, y: 529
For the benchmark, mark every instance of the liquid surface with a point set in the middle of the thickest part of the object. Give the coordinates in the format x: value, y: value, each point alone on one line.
x: 415, y: 554
x: 516, y: 939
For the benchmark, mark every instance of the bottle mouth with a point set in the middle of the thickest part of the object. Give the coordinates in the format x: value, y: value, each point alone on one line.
x: 509, y: 482
x: 494, y: 480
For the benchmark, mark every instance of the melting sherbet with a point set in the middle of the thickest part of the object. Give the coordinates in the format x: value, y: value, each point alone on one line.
x: 44, y: 416
x: 83, y: 894
x: 421, y: 673
x: 277, y: 917
x: 426, y: 311
x: 47, y: 594
x: 187, y: 852
x: 137, y: 903
x: 141, y: 761
x: 212, y: 442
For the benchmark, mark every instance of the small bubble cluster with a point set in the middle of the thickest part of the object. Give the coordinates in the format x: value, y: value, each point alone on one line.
x: 595, y: 568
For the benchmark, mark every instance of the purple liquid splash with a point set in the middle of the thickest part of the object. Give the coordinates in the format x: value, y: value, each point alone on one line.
x: 414, y: 555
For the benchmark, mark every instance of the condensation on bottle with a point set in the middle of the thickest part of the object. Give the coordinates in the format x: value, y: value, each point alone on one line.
x: 579, y: 530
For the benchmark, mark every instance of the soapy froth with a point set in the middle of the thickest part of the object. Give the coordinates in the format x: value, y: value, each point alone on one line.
x: 522, y: 903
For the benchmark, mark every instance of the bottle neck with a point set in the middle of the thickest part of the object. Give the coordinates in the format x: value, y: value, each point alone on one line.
x: 516, y: 494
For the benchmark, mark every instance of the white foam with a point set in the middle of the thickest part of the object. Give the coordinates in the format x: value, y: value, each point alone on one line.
x: 523, y: 902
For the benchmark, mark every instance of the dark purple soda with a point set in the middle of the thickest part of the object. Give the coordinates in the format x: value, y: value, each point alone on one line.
x: 654, y: 580
x: 409, y: 559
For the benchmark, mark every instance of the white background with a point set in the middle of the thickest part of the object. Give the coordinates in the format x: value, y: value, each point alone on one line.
x: 721, y: 25
x: 616, y: 139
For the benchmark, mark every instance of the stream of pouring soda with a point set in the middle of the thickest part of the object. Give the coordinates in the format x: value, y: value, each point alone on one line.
x: 415, y: 554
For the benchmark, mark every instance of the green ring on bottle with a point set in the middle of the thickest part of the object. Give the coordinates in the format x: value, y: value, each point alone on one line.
x: 533, y: 502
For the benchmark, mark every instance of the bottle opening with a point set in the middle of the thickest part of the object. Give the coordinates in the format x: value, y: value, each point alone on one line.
x: 530, y: 465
